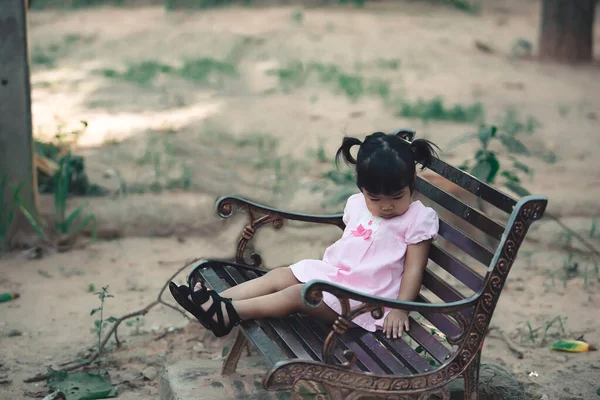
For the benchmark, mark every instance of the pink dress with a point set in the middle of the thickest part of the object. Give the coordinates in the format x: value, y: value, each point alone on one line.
x: 369, y: 258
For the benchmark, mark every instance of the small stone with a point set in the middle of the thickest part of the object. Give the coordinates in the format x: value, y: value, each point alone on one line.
x: 199, y: 347
x: 34, y: 253
x: 13, y: 333
x: 150, y: 373
x: 109, y: 173
x: 544, y: 397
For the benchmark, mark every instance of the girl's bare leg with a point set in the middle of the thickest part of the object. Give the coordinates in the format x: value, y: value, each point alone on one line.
x: 281, y: 304
x: 273, y: 281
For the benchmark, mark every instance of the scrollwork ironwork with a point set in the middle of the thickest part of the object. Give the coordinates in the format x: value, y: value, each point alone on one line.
x: 259, y: 216
x: 469, y: 341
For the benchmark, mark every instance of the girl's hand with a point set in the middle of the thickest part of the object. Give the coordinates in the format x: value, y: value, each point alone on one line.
x: 395, y: 323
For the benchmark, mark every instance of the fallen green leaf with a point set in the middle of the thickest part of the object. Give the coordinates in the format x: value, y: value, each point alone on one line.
x: 81, y: 385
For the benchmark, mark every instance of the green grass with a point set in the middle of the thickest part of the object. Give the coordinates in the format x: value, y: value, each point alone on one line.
x: 47, y: 57
x: 468, y: 6
x: 296, y: 75
x: 200, y: 70
x: 392, y: 64
x: 512, y: 123
x: 168, y: 171
x: 435, y: 109
x: 539, y: 336
x: 142, y: 73
x: 297, y: 17
x: 43, y: 57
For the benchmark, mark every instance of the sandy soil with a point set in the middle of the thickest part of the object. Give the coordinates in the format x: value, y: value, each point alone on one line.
x: 243, y: 135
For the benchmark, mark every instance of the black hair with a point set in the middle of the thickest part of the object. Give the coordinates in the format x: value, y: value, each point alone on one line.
x: 385, y: 163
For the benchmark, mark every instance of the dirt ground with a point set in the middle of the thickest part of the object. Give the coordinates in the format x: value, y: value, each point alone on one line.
x: 270, y: 138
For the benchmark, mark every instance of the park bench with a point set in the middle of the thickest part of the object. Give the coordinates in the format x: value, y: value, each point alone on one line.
x: 446, y: 334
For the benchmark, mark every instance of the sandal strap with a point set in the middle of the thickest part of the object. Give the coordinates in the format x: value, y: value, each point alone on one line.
x: 200, y: 297
x: 215, y: 308
x: 234, y: 318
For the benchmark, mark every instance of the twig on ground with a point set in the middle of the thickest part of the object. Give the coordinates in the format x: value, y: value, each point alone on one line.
x: 165, y: 333
x: 71, y: 365
x: 502, y: 336
x: 576, y: 235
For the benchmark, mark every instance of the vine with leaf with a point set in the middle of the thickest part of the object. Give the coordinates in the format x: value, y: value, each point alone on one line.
x: 487, y: 166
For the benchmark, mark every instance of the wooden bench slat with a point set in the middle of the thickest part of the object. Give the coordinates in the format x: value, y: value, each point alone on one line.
x: 460, y: 271
x: 461, y: 240
x: 473, y: 185
x: 395, y: 366
x: 424, y: 337
x: 364, y: 361
x: 361, y: 355
x: 285, y: 335
x: 271, y: 352
x: 460, y: 209
x: 440, y: 321
x: 310, y: 338
x: 440, y: 288
x: 404, y: 352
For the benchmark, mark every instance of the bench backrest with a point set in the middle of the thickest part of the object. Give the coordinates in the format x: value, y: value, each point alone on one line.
x: 470, y: 251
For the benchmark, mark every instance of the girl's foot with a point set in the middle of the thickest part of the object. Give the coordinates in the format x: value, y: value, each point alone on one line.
x: 213, y: 311
x: 221, y: 311
x: 187, y: 300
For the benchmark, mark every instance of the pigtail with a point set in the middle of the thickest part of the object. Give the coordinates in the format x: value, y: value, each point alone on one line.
x: 344, y: 151
x: 423, y: 152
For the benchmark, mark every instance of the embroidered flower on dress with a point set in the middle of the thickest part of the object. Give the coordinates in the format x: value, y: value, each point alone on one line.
x: 360, y: 231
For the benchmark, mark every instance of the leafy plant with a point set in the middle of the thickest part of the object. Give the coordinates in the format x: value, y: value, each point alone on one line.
x: 101, y: 323
x: 594, y: 234
x: 538, y: 336
x: 7, y: 213
x: 64, y: 225
x: 137, y: 323
x: 68, y: 225
x: 486, y: 164
x: 319, y: 153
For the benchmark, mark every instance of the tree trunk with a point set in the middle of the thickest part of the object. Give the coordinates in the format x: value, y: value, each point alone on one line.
x: 567, y: 30
x: 16, y: 151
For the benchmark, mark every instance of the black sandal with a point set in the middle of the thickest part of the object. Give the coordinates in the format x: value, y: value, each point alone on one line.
x: 218, y: 327
x: 182, y: 295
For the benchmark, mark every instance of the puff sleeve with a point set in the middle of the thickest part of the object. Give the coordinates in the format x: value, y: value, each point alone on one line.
x: 424, y: 226
x: 350, y: 204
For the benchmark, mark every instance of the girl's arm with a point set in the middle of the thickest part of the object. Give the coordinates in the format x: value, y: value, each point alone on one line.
x: 414, y: 266
x: 412, y: 279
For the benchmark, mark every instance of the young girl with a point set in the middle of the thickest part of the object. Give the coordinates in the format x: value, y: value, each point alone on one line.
x: 383, y: 250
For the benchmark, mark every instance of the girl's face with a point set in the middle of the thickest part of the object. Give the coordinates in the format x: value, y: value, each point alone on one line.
x: 388, y: 206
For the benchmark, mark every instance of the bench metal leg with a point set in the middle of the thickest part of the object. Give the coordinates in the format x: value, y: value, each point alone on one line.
x: 471, y: 376
x: 237, y: 348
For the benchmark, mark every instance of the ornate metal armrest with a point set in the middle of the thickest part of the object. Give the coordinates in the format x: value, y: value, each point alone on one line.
x: 260, y: 215
x: 312, y: 293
